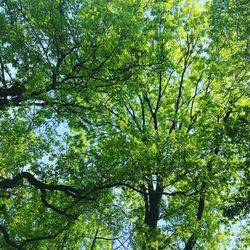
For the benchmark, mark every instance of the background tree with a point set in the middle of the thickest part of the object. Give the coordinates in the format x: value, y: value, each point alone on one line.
x: 123, y: 124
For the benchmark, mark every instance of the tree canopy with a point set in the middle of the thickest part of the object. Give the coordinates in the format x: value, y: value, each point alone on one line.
x: 124, y: 124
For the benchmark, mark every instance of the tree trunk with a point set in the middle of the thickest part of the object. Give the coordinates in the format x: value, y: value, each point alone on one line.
x: 152, y: 201
x: 152, y: 209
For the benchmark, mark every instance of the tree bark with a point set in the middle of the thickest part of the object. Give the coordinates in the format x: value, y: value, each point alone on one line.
x: 152, y: 209
x: 152, y: 201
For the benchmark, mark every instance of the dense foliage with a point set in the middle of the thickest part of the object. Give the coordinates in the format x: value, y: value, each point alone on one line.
x: 124, y: 124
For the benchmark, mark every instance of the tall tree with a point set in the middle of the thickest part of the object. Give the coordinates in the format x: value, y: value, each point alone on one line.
x: 123, y: 124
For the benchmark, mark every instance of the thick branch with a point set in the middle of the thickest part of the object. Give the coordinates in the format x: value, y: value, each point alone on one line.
x: 8, y: 240
x: 11, y: 183
x: 52, y: 207
x: 193, y: 238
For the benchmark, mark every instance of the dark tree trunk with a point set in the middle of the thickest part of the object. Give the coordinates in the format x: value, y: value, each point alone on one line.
x: 152, y: 209
x: 152, y: 201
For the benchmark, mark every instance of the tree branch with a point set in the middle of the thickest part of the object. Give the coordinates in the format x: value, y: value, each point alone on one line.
x: 8, y: 240
x: 71, y: 191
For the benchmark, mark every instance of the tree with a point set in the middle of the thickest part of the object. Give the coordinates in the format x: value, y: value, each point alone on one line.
x: 123, y: 124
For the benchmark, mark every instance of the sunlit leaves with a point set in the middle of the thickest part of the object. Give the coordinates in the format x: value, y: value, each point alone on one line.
x: 142, y: 106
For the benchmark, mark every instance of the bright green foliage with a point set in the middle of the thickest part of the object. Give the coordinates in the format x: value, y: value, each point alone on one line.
x: 124, y: 124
